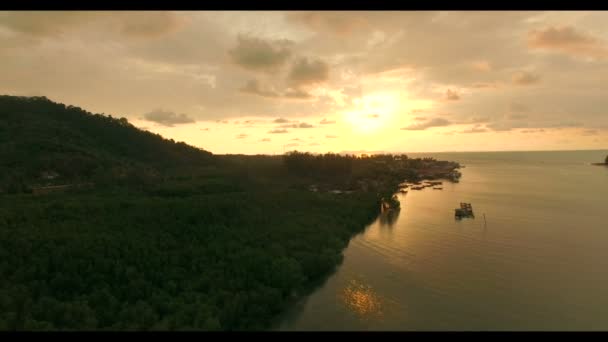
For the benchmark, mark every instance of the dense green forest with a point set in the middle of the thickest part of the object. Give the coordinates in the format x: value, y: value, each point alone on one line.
x: 167, y: 236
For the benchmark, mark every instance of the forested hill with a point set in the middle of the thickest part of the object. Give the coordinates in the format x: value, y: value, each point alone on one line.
x: 39, y: 136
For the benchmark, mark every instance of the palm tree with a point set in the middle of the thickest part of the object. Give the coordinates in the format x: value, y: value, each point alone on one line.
x: 606, y: 160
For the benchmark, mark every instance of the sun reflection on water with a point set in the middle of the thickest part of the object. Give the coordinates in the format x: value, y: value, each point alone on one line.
x: 362, y: 300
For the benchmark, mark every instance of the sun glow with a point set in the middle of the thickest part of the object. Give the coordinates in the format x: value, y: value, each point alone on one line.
x: 372, y: 112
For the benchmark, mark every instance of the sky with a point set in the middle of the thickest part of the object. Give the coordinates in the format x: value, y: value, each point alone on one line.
x: 268, y: 82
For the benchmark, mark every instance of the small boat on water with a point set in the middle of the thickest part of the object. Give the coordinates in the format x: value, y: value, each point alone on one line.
x: 465, y: 210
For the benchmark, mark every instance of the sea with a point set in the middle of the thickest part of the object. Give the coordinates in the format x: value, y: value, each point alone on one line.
x: 534, y: 257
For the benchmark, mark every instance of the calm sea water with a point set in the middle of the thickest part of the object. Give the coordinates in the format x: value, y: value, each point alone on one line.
x: 539, y: 261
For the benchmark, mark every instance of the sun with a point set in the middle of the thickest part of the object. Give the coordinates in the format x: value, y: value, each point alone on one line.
x: 372, y: 112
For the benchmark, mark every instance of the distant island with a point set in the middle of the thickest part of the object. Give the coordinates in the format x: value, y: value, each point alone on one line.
x: 108, y: 227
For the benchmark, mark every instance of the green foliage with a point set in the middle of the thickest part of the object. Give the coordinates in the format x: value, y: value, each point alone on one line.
x: 207, y: 261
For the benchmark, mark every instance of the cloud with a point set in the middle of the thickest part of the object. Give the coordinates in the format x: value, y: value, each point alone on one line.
x: 568, y: 40
x: 476, y: 129
x: 480, y: 119
x: 481, y: 66
x: 591, y: 132
x: 143, y: 24
x: 281, y: 120
x: 484, y: 85
x: 435, y: 122
x: 326, y: 122
x: 241, y: 136
x: 260, y: 55
x: 331, y: 136
x: 451, y: 95
x: 420, y: 118
x: 296, y: 94
x: 314, y: 144
x: 297, y: 125
x: 565, y: 124
x: 292, y: 145
x: 265, y: 140
x: 532, y: 130
x: 278, y: 131
x: 308, y: 71
x: 338, y: 23
x: 295, y: 139
x: 518, y: 107
x: 204, y: 129
x: 150, y: 24
x: 45, y: 23
x: 525, y: 78
x: 254, y: 87
x: 373, y: 116
x: 505, y: 126
x: 167, y: 118
x: 516, y: 116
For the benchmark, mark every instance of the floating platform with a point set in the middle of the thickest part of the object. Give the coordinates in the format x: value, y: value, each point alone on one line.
x: 465, y: 210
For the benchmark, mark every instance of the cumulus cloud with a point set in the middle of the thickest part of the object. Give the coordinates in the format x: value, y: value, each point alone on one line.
x: 568, y: 40
x: 435, y: 122
x: 259, y: 54
x: 278, y: 131
x: 451, y: 95
x: 525, y: 78
x: 326, y: 122
x: 308, y: 71
x: 168, y: 118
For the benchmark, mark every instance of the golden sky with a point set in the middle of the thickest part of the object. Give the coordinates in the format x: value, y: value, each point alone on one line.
x: 267, y: 82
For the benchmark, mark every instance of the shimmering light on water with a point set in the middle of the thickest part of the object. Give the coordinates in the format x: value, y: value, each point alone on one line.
x: 539, y: 264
